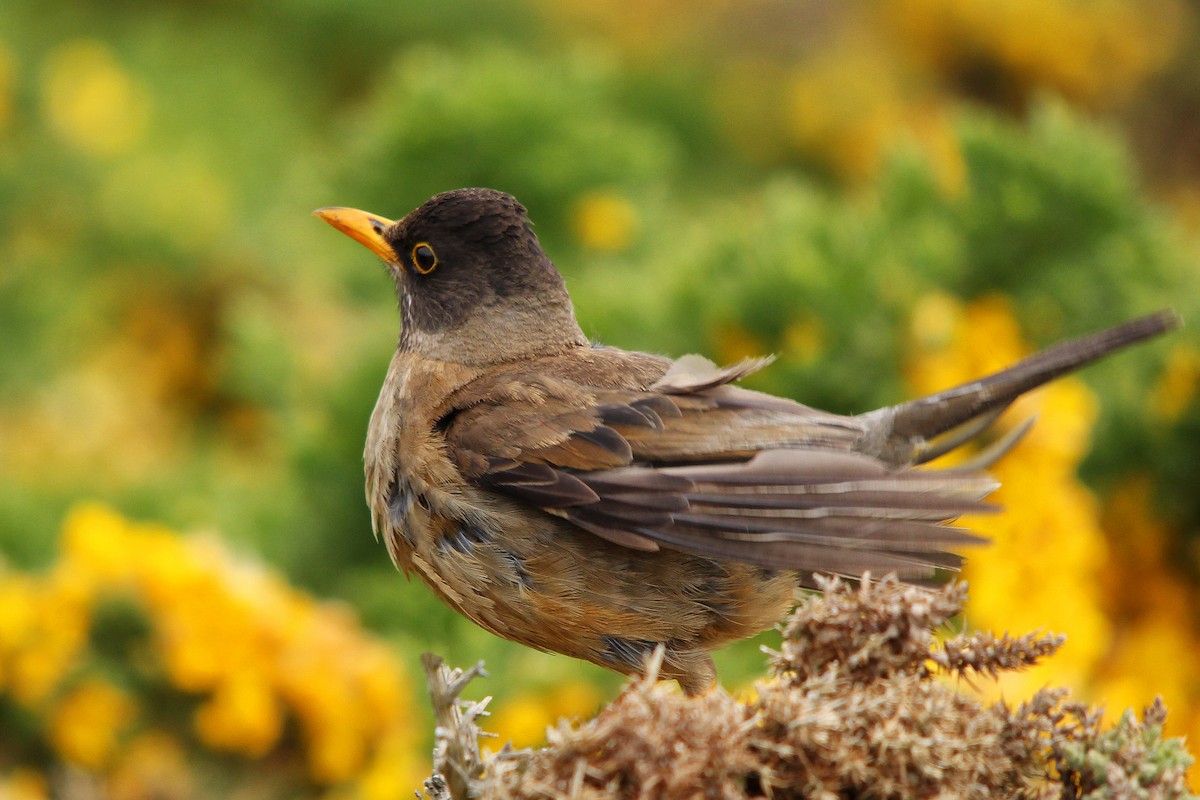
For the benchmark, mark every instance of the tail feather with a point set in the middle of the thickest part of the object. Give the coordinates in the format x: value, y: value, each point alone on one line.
x: 901, y: 434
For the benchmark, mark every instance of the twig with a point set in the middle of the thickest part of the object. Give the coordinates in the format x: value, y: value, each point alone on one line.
x: 456, y: 757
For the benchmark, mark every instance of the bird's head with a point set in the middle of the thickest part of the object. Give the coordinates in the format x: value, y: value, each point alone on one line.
x: 475, y: 286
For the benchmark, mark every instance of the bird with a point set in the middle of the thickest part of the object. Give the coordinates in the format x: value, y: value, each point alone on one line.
x: 606, y: 504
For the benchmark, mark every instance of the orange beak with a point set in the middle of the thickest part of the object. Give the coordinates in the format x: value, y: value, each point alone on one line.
x: 364, y: 228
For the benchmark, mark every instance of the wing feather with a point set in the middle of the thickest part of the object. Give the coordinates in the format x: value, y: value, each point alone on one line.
x: 688, y: 462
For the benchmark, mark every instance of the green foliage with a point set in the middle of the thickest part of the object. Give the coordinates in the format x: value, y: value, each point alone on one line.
x: 496, y: 116
x: 1129, y: 760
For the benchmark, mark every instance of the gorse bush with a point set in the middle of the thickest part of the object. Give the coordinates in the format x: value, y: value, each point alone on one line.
x: 853, y: 709
x: 161, y: 666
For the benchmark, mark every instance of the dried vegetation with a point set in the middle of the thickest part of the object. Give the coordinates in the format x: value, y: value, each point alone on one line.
x: 861, y: 702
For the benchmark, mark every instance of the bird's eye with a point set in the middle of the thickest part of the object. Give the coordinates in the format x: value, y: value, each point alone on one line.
x: 423, y: 258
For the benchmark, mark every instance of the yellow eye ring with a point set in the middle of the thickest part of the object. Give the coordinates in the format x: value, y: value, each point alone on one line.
x: 424, y: 260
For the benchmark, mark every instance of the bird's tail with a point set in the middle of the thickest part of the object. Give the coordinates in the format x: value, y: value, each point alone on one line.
x: 909, y: 432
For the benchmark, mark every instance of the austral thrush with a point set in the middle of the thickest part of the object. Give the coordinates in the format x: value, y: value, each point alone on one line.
x: 599, y: 502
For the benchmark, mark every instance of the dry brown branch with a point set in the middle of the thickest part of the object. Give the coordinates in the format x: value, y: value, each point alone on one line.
x: 853, y: 709
x: 457, y: 763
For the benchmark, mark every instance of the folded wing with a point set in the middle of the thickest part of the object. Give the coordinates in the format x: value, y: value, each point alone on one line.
x: 691, y: 463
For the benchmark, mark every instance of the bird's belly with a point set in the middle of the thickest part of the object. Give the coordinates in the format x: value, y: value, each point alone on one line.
x: 545, y: 584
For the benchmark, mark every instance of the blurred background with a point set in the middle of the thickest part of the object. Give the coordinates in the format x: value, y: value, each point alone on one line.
x: 893, y: 197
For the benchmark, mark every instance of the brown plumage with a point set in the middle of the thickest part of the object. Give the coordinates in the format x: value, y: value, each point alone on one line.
x: 598, y: 502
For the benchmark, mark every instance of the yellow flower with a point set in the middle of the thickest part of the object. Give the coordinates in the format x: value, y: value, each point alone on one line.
x: 523, y: 719
x: 1047, y: 547
x: 98, y: 540
x: 181, y: 198
x: 1153, y: 658
x: 43, y: 629
x: 732, y: 342
x: 1153, y: 650
x: 1089, y: 51
x: 1070, y: 409
x: 7, y: 80
x: 381, y: 688
x: 90, y: 101
x: 332, y: 717
x: 933, y: 131
x: 843, y: 106
x: 1176, y: 389
x: 242, y: 716
x: 575, y: 700
x: 336, y: 751
x: 163, y: 569
x: 258, y: 654
x: 24, y: 784
x: 603, y: 221
x: 197, y: 635
x: 86, y: 724
x: 393, y: 770
x: 17, y: 600
x: 936, y: 321
x: 803, y: 340
x: 36, y: 670
x: 153, y: 764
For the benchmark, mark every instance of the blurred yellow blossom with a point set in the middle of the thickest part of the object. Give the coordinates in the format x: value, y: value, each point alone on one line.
x: 179, y: 197
x: 962, y: 342
x: 24, y: 784
x: 95, y: 537
x: 732, y: 342
x: 16, y: 617
x: 649, y: 28
x: 91, y: 101
x: 858, y: 77
x: 603, y: 221
x: 803, y: 340
x: 523, y: 719
x: 152, y: 764
x: 844, y: 107
x: 1154, y: 651
x: 847, y: 104
x: 1176, y: 389
x: 8, y: 71
x: 1047, y: 546
x: 1094, y: 52
x: 86, y: 724
x: 389, y: 774
x: 928, y: 126
x: 935, y: 322
x: 242, y: 715
x: 142, y: 387
x: 1049, y: 563
x: 248, y: 654
x: 43, y: 626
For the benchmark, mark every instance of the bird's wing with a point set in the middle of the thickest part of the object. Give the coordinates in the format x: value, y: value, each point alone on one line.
x: 689, y: 462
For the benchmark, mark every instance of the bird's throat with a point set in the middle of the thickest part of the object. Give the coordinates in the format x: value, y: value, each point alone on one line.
x: 496, y: 333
